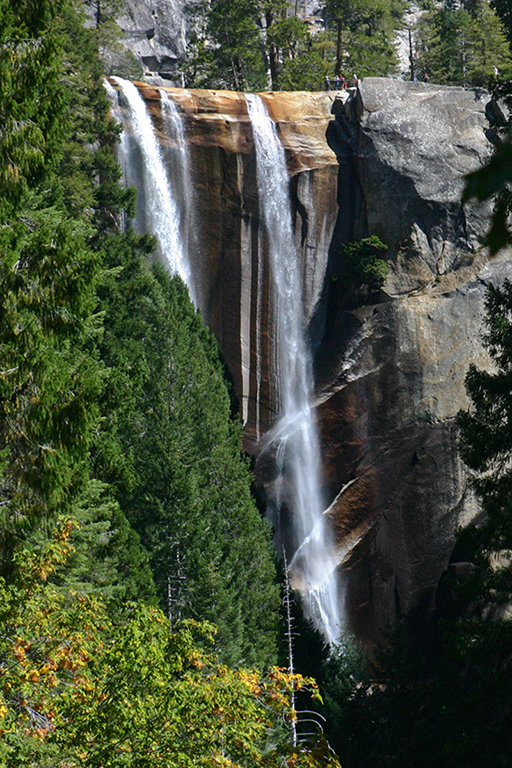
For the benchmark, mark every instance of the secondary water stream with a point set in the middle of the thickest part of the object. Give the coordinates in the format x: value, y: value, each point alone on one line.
x: 293, y: 439
x: 161, y: 211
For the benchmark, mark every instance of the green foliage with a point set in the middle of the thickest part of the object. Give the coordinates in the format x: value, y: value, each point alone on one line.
x: 310, y: 60
x: 224, y: 46
x: 32, y: 100
x: 106, y: 558
x: 50, y: 376
x: 462, y: 45
x: 361, y: 270
x: 229, y: 49
x: 181, y: 479
x: 504, y: 11
x: 80, y: 686
x: 365, y: 35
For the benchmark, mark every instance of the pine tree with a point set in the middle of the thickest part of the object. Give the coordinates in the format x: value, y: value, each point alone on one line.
x: 463, y: 44
x: 182, y: 481
x: 52, y: 211
x: 225, y: 46
x: 504, y: 11
x: 365, y: 36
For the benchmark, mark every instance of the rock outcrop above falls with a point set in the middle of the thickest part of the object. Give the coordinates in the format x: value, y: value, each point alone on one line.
x: 390, y: 376
x: 152, y: 31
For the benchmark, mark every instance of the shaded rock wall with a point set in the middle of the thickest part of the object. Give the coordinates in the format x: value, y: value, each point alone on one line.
x: 390, y: 376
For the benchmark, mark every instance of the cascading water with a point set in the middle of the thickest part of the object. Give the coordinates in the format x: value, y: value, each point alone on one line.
x: 160, y: 206
x: 293, y: 438
x: 179, y: 161
x: 167, y: 207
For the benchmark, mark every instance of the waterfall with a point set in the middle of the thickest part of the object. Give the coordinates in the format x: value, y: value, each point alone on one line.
x: 179, y: 161
x: 159, y: 200
x: 293, y: 439
x: 165, y: 209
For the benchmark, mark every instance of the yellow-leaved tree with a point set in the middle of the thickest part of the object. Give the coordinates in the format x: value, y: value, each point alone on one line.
x: 80, y: 689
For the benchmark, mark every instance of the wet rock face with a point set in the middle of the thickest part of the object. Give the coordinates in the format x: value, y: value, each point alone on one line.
x: 230, y: 262
x: 390, y: 376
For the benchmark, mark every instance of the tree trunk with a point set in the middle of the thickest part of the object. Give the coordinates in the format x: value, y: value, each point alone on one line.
x: 339, y: 47
x: 411, y: 56
x: 273, y: 54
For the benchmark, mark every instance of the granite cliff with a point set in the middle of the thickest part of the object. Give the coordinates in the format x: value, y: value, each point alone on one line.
x: 388, y: 160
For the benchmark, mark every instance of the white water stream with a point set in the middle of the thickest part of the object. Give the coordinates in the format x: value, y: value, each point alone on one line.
x: 161, y: 210
x: 293, y: 438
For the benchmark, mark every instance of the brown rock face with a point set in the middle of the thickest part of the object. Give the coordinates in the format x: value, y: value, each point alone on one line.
x: 229, y: 260
x: 390, y: 376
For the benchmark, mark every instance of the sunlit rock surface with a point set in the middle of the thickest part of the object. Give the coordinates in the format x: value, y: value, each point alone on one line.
x: 152, y: 31
x: 390, y: 376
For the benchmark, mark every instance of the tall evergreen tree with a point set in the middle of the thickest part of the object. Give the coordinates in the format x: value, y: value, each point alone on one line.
x: 463, y: 44
x: 225, y: 45
x: 183, y: 483
x: 233, y: 45
x: 504, y: 11
x: 53, y: 209
x: 365, y: 33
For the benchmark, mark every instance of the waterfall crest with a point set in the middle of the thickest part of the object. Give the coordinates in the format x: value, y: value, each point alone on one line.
x: 293, y: 439
x: 159, y: 201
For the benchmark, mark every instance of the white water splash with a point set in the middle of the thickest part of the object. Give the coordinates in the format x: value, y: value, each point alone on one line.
x: 293, y: 439
x: 161, y: 210
x: 179, y: 173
